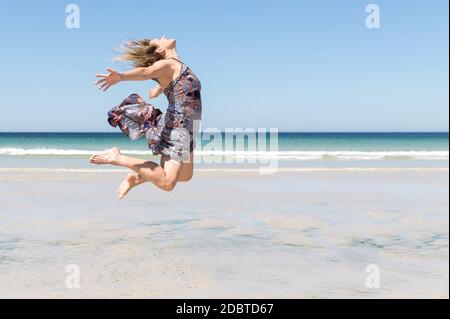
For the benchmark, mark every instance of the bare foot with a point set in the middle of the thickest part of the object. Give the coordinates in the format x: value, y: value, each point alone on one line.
x: 107, y: 157
x: 129, y: 182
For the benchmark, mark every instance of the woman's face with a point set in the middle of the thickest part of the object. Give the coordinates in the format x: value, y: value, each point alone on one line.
x: 163, y: 43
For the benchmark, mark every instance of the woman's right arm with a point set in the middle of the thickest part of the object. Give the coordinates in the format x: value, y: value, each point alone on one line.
x: 155, y: 92
x: 138, y: 74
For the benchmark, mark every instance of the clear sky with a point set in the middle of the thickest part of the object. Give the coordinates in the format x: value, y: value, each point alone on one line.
x: 309, y: 65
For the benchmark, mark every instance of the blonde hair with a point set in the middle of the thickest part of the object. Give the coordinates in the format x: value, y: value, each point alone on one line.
x: 140, y: 53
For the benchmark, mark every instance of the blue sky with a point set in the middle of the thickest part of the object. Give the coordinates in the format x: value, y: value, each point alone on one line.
x: 294, y: 65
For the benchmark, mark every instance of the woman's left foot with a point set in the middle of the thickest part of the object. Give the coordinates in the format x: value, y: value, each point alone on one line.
x: 108, y: 157
x: 130, y: 181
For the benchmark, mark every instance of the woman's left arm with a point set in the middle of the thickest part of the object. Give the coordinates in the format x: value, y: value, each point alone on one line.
x: 138, y: 74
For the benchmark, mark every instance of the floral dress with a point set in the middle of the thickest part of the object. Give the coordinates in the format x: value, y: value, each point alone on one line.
x: 169, y: 133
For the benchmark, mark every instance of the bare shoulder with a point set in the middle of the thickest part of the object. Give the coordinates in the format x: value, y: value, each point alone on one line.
x: 162, y: 64
x: 166, y: 70
x: 161, y: 69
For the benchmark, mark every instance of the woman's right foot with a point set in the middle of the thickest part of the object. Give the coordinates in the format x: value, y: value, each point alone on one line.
x: 107, y: 157
x: 129, y: 182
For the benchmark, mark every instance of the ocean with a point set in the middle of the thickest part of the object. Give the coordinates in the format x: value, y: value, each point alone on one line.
x: 284, y: 151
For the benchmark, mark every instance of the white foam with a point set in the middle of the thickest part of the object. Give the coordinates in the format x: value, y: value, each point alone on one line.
x: 332, y: 155
x: 61, y: 152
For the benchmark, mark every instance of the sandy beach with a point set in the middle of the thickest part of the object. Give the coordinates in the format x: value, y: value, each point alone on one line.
x: 226, y: 235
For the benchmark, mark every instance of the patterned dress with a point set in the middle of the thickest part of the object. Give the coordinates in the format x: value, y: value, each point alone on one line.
x: 169, y: 133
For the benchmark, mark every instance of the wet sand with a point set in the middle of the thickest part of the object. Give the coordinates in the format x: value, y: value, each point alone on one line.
x: 227, y: 235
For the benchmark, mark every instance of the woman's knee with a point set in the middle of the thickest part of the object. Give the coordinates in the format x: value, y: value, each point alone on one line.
x: 168, y: 185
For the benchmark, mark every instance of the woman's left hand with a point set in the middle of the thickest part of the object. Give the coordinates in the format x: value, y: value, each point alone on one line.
x: 108, y: 80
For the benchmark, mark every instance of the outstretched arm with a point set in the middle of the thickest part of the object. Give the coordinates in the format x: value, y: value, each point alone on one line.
x: 138, y: 74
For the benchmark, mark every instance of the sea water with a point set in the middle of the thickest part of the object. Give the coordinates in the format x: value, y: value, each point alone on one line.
x: 292, y: 150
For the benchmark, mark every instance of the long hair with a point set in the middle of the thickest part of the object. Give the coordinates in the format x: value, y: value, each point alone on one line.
x: 140, y: 53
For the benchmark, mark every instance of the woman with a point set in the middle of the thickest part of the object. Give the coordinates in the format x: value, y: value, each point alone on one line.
x: 170, y: 134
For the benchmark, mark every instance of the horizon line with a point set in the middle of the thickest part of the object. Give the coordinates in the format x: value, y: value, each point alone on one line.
x: 282, y: 132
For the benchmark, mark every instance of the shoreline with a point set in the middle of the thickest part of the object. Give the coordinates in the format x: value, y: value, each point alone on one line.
x: 231, y: 171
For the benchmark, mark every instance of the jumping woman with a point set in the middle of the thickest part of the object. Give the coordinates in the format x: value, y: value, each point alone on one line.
x: 169, y: 134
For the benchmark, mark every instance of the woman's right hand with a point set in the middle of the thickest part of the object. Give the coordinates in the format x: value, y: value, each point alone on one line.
x: 153, y: 93
x: 108, y: 80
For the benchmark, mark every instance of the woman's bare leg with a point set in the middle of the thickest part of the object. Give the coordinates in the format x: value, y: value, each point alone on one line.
x: 163, y: 177
x: 187, y: 170
x: 134, y: 179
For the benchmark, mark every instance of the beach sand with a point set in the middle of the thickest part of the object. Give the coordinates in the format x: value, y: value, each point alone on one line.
x: 226, y: 235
